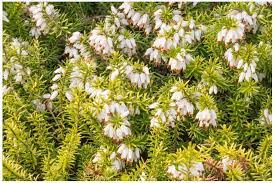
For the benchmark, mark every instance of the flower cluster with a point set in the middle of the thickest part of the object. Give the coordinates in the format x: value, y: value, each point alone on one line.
x: 161, y: 19
x: 49, y: 97
x: 138, y: 78
x: 114, y: 116
x: 249, y: 71
x: 242, y: 22
x: 18, y: 71
x: 104, y: 153
x: 154, y: 55
x: 76, y: 81
x: 117, y: 133
x: 127, y: 43
x: 180, y: 172
x: 118, y: 19
x: 228, y: 55
x: 128, y: 153
x: 116, y: 126
x: 20, y: 47
x: 179, y: 107
x: 42, y: 14
x: 14, y: 66
x: 100, y: 41
x: 250, y: 22
x: 236, y: 58
x: 76, y: 49
x: 162, y: 116
x: 184, y: 107
x: 138, y: 19
x: 96, y: 91
x: 207, y: 117
x: 112, y: 35
x: 76, y: 78
x: 231, y: 35
x: 180, y: 62
x: 172, y: 36
x: 138, y: 74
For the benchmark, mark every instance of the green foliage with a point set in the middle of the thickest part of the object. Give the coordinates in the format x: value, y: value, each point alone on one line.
x: 59, y: 168
x: 13, y: 171
x: 65, y: 138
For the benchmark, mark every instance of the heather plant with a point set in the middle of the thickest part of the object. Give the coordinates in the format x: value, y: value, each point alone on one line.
x: 137, y: 91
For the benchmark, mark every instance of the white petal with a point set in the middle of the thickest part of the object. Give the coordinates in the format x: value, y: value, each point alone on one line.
x: 54, y: 95
x: 46, y: 96
x: 153, y: 105
x: 69, y: 96
x: 56, y: 77
x: 241, y: 77
x: 114, y: 75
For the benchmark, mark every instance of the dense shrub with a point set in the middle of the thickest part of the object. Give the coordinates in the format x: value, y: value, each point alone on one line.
x: 139, y: 91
